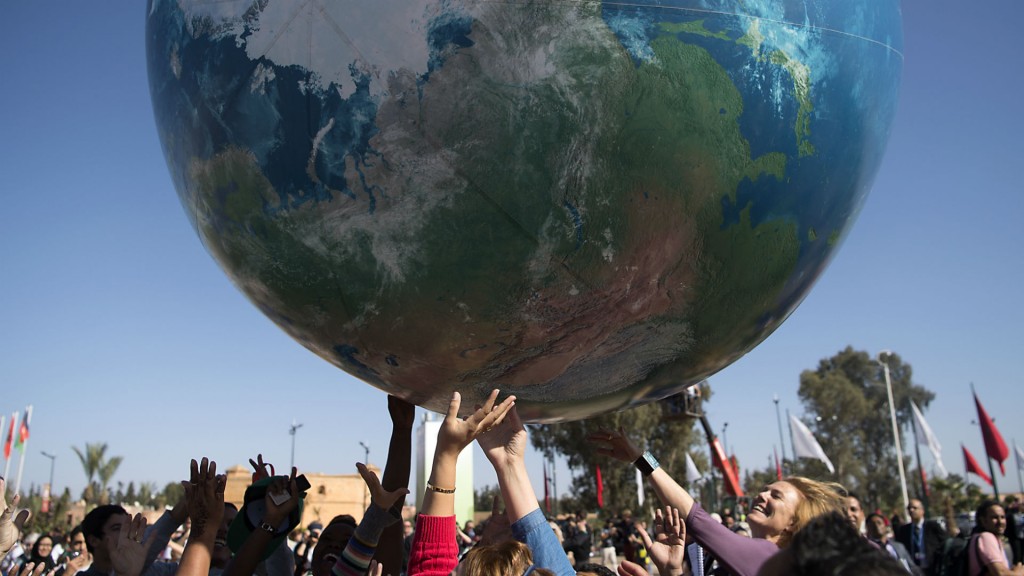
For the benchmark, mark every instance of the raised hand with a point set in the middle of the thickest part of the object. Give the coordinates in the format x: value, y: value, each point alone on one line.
x: 505, y: 443
x: 276, y: 513
x: 627, y: 568
x: 456, y: 433
x: 204, y: 494
x: 129, y: 552
x: 375, y: 569
x: 498, y: 529
x: 10, y: 525
x: 378, y: 495
x: 30, y: 569
x: 77, y: 564
x: 668, y: 549
x: 615, y: 444
x: 260, y: 468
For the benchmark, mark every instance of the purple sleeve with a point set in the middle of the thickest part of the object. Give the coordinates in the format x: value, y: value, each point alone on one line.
x: 740, y: 555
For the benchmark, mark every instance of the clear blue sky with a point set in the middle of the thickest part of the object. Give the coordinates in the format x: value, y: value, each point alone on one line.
x: 118, y: 327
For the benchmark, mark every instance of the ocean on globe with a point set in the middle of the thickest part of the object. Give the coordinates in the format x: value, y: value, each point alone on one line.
x: 591, y: 205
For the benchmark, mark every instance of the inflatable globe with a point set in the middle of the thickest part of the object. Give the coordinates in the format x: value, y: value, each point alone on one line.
x: 588, y: 204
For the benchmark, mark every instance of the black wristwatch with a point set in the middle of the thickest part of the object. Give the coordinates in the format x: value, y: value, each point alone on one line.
x: 646, y: 463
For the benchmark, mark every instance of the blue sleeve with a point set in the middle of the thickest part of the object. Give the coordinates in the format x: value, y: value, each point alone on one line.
x: 164, y: 528
x: 534, y: 531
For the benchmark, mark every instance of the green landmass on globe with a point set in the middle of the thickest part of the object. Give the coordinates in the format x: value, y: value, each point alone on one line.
x: 589, y: 204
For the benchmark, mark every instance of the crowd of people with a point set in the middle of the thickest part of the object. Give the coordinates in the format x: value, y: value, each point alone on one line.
x: 793, y: 526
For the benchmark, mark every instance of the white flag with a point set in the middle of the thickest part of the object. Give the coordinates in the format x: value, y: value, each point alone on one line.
x: 692, y: 474
x: 927, y: 437
x: 804, y: 444
x: 1020, y: 456
x: 639, y: 488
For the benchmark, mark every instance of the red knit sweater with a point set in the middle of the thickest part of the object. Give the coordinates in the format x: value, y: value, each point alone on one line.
x: 434, y: 551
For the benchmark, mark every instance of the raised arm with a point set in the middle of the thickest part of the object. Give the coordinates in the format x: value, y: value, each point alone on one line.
x: 396, y: 477
x: 433, y: 547
x: 251, y: 553
x: 619, y: 446
x: 357, y: 555
x: 204, y: 493
x: 128, y: 555
x: 10, y: 525
x: 505, y: 447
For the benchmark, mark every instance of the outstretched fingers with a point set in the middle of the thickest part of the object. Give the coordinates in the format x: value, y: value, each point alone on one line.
x: 496, y: 415
x: 454, y: 405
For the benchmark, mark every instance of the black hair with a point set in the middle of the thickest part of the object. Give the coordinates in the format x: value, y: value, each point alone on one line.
x: 343, y: 519
x: 982, y: 511
x: 92, y: 524
x: 829, y: 546
x: 595, y: 568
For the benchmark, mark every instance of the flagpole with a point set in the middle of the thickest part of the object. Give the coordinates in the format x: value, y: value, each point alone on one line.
x: 895, y: 429
x: 10, y: 438
x: 920, y: 466
x: 24, y: 448
x: 554, y: 483
x: 3, y: 420
x: 988, y: 457
x: 1016, y: 454
x: 778, y: 419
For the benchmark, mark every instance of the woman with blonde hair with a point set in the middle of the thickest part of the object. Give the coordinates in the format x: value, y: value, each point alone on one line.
x: 778, y: 512
x: 508, y: 558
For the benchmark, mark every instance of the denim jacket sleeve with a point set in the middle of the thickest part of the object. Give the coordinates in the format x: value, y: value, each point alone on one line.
x: 534, y: 531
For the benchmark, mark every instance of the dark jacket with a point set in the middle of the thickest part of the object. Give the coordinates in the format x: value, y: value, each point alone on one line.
x: 934, y: 537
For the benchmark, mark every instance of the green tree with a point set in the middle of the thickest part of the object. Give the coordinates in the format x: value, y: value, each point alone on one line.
x: 847, y: 409
x: 147, y: 491
x: 755, y: 480
x: 484, y: 497
x: 667, y: 439
x: 130, y: 496
x: 99, y: 470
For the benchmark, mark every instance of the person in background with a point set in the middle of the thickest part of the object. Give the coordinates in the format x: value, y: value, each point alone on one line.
x: 828, y: 545
x: 923, y: 538
x: 40, y: 554
x: 855, y: 512
x: 776, y: 514
x: 76, y: 557
x: 878, y: 532
x: 987, y: 551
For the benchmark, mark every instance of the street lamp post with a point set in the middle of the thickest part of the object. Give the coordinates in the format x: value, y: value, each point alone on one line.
x: 778, y: 418
x: 291, y: 430
x: 366, y: 461
x: 895, y: 427
x: 53, y: 460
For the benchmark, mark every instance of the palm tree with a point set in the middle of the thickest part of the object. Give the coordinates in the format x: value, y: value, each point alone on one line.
x: 95, y: 464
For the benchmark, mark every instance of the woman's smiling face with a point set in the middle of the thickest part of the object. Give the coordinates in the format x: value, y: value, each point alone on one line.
x: 772, y: 512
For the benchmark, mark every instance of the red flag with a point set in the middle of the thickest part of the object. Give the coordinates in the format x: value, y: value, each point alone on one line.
x: 10, y: 437
x: 732, y: 483
x: 995, y: 447
x: 778, y: 466
x: 972, y: 466
x: 600, y: 489
x: 924, y: 481
x: 22, y: 432
x: 547, y: 496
